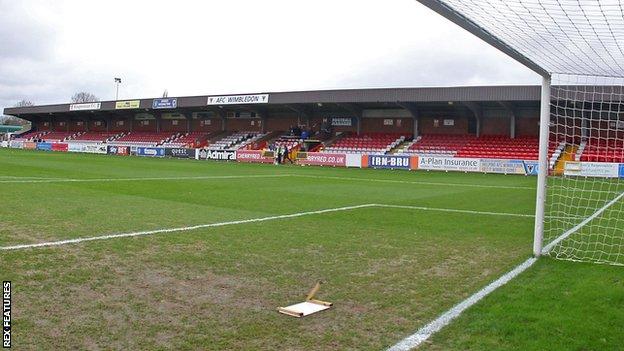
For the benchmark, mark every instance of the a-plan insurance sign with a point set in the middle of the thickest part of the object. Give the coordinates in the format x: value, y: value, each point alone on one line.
x: 238, y: 99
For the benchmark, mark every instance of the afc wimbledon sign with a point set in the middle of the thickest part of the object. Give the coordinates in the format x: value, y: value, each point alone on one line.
x: 238, y: 99
x: 85, y: 107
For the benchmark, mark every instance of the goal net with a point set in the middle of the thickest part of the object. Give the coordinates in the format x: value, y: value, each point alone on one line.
x: 578, y: 46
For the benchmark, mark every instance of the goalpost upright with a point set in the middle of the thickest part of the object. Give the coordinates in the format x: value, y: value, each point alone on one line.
x: 577, y: 47
x: 542, y: 177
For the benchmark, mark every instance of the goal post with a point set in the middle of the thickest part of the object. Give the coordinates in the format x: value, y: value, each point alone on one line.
x: 577, y: 47
x: 543, y: 168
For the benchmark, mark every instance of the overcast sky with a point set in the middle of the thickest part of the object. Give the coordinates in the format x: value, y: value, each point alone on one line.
x: 51, y: 49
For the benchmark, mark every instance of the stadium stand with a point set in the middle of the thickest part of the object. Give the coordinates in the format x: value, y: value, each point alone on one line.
x: 193, y: 139
x: 438, y: 145
x: 503, y: 147
x: 292, y: 143
x: 235, y: 141
x: 369, y: 142
x: 57, y: 136
x: 489, y: 146
x: 30, y: 135
x: 94, y: 137
x: 601, y: 150
x: 144, y: 138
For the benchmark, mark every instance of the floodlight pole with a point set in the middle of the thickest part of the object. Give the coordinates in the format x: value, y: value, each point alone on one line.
x: 542, y: 177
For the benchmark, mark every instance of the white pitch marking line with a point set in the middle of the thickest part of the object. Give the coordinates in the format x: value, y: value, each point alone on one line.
x: 170, y: 230
x: 444, y: 319
x: 87, y: 180
x: 252, y: 220
x: 565, y: 235
x: 424, y: 333
x: 418, y: 182
x: 457, y: 211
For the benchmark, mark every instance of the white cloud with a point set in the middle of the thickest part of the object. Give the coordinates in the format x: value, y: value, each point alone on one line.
x: 216, y: 46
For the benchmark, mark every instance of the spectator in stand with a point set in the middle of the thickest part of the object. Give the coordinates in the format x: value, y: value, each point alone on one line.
x: 305, y: 134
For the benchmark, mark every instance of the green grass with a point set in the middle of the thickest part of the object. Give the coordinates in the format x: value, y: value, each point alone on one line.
x: 388, y: 271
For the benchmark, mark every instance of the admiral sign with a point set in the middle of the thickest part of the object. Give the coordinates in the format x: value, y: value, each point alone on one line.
x: 238, y: 99
x: 164, y: 103
x: 126, y: 105
x: 221, y: 155
x: 85, y: 107
x: 449, y: 164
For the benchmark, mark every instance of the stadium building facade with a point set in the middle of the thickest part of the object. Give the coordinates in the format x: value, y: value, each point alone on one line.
x: 488, y: 110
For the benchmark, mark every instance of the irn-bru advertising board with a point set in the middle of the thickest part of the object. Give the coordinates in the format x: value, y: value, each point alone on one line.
x: 390, y: 162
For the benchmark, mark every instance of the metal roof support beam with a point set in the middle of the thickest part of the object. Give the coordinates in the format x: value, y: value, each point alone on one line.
x: 412, y: 108
x: 459, y: 19
x: 511, y: 111
x: 477, y: 111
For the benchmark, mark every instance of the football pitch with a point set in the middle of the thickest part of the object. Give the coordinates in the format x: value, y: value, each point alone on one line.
x: 142, y: 253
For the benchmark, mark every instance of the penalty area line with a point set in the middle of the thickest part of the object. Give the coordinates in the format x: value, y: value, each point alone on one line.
x: 252, y: 220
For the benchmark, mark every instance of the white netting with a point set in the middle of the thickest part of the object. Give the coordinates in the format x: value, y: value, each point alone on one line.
x: 580, y: 43
x: 585, y: 205
x: 583, y: 37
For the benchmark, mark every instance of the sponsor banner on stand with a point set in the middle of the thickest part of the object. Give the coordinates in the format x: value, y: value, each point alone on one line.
x: 220, y: 155
x: 16, y: 144
x: 324, y: 159
x: 164, y: 103
x: 117, y: 150
x: 353, y: 160
x: 127, y: 105
x: 30, y: 145
x: 59, y: 147
x: 622, y: 170
x: 341, y: 121
x: 180, y: 152
x: 255, y: 156
x: 592, y: 169
x: 4, y: 143
x: 389, y: 162
x: 91, y: 148
x: 502, y: 166
x: 150, y: 151
x: 449, y: 164
x: 44, y: 146
x: 531, y: 168
x: 238, y: 99
x: 85, y: 107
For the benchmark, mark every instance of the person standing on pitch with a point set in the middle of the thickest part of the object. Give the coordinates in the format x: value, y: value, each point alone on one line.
x: 287, y: 155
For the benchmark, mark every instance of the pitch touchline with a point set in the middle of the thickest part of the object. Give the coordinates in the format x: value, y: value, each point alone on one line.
x: 424, y: 333
x: 252, y: 220
x: 85, y: 180
x: 418, y: 182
